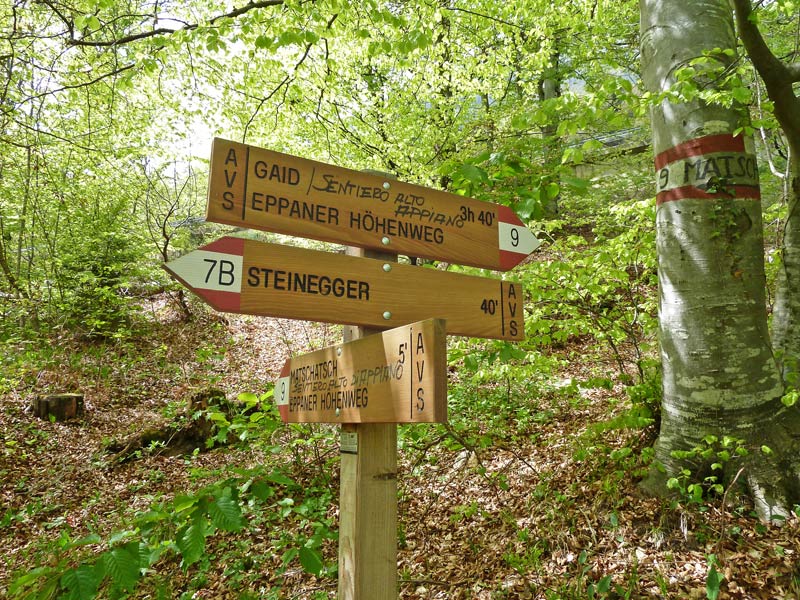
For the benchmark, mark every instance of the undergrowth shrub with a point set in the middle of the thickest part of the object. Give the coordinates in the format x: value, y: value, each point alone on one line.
x: 602, y: 289
x: 182, y: 528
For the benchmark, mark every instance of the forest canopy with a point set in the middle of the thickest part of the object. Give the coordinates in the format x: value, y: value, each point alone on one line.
x: 613, y: 128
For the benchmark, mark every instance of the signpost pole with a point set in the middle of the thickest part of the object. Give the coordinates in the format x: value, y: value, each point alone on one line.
x: 368, y: 497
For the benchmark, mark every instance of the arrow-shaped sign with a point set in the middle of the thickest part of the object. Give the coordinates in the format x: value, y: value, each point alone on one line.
x: 396, y: 376
x: 246, y: 276
x: 262, y: 189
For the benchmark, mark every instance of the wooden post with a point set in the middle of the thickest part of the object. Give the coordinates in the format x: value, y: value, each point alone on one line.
x: 368, y: 497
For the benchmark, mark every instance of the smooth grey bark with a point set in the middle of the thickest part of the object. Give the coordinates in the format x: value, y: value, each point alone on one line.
x: 786, y: 311
x: 779, y: 79
x: 719, y: 374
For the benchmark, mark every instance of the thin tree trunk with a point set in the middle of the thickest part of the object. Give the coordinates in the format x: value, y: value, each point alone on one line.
x: 779, y: 79
x: 786, y: 312
x: 719, y: 374
x: 550, y: 89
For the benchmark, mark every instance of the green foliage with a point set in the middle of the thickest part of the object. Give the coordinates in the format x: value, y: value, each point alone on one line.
x: 310, y: 560
x: 645, y: 409
x: 80, y: 583
x: 122, y: 564
x: 184, y: 527
x: 714, y: 578
x: 606, y: 294
x: 790, y: 397
x: 714, y: 78
x: 712, y: 459
x: 94, y: 276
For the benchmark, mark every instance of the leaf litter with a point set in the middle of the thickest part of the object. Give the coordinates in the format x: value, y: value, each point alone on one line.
x: 543, y: 512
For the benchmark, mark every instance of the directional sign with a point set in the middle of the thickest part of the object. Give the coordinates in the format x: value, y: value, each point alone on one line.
x: 246, y: 276
x: 262, y: 189
x: 397, y: 376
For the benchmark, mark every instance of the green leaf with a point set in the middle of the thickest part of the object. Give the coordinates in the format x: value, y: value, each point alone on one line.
x: 261, y: 490
x: 24, y: 581
x: 473, y: 173
x: 620, y: 453
x: 713, y: 581
x: 150, y: 555
x: 742, y: 95
x: 604, y: 585
x: 119, y: 536
x: 280, y: 478
x: 530, y: 204
x: 248, y: 398
x: 92, y: 538
x: 263, y: 42
x: 80, y: 583
x: 790, y: 398
x: 552, y: 190
x: 191, y: 542
x: 182, y: 503
x: 310, y: 560
x: 122, y: 565
x: 288, y: 38
x: 578, y: 183
x: 225, y: 512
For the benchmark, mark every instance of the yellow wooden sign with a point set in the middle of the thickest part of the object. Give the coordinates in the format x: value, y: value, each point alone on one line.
x: 262, y: 189
x: 396, y: 376
x: 257, y: 278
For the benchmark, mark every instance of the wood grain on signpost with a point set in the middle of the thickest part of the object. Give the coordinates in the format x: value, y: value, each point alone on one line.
x: 396, y: 376
x: 368, y: 499
x: 262, y: 189
x: 251, y: 277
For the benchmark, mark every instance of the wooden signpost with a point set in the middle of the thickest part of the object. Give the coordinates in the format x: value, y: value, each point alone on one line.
x: 377, y: 378
x: 396, y: 376
x: 251, y: 277
x: 367, y: 496
x: 262, y: 189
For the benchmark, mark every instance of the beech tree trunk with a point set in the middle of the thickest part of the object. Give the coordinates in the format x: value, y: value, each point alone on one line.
x: 720, y: 377
x: 786, y: 312
x: 779, y: 79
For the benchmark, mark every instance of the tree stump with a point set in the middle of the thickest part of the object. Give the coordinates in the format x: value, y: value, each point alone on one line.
x: 59, y: 407
x: 190, y: 430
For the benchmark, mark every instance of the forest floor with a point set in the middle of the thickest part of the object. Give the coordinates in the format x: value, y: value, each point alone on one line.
x: 537, y: 501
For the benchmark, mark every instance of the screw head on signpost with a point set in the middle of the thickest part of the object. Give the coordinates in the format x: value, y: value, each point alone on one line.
x: 261, y: 189
x: 258, y: 278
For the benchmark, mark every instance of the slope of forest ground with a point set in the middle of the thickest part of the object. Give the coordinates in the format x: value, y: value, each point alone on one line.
x: 524, y: 494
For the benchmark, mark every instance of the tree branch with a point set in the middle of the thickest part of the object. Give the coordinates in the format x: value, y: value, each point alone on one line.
x: 771, y: 69
x: 483, y: 16
x: 236, y: 12
x: 74, y: 86
x: 778, y: 77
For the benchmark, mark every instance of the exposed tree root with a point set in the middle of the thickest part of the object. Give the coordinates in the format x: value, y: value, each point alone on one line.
x: 767, y: 455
